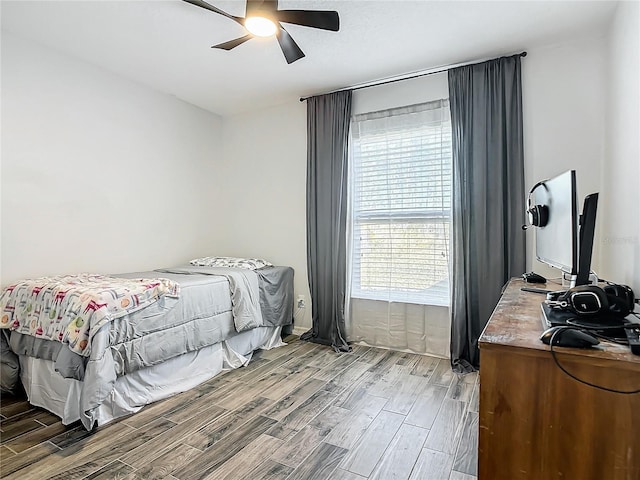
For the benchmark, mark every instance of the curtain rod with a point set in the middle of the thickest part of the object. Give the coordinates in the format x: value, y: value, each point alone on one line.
x: 407, y: 76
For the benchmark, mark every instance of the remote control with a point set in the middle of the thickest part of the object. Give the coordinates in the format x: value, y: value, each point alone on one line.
x: 633, y: 336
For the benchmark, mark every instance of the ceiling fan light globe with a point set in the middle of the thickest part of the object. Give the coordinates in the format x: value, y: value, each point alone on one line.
x: 260, y: 26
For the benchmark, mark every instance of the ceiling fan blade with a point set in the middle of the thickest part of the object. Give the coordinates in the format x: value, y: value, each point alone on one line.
x: 326, y: 20
x: 211, y: 8
x: 289, y: 47
x: 264, y: 5
x: 232, y: 43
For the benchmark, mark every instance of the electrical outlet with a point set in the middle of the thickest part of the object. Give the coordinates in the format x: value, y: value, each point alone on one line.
x: 300, y: 301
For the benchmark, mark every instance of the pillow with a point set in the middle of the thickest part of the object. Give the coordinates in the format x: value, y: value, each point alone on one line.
x: 248, y: 263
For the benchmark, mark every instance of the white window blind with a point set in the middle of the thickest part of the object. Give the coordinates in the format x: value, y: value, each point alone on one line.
x: 401, y: 204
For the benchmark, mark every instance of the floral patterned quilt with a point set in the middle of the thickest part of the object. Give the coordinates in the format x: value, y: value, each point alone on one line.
x: 72, y: 308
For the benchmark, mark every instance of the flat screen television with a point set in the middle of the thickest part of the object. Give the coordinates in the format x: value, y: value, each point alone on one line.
x: 566, y: 241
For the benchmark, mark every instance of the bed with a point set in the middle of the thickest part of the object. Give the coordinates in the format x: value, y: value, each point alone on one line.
x: 204, y: 318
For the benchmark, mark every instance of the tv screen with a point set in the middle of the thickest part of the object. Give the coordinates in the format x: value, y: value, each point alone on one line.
x: 557, y: 241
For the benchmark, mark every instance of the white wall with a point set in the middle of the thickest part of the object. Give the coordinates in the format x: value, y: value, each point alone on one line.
x: 406, y: 92
x: 564, y: 118
x: 619, y: 210
x: 98, y: 173
x: 262, y: 177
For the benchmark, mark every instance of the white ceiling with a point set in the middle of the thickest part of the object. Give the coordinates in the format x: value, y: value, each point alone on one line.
x: 165, y: 44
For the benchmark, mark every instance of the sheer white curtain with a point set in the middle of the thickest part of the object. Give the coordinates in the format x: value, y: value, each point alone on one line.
x: 400, y: 202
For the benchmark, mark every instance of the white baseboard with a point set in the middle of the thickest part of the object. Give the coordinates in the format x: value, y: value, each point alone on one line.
x: 299, y: 330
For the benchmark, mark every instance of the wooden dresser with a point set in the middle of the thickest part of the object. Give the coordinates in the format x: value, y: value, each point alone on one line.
x: 538, y: 423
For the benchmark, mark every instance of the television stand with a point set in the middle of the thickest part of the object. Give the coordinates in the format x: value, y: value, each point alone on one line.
x: 535, y: 422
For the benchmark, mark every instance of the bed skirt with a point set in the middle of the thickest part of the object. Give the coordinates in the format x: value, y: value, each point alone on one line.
x: 46, y: 388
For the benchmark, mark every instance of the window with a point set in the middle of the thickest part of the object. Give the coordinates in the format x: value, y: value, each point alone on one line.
x: 401, y: 204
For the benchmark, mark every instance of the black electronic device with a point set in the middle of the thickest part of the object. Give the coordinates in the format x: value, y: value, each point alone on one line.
x: 566, y: 241
x: 621, y: 299
x: 633, y: 337
x: 568, y: 337
x: 557, y: 241
x: 585, y: 238
x: 535, y: 290
x: 531, y: 277
x: 538, y: 215
x: 591, y: 300
x: 610, y: 326
x: 582, y: 300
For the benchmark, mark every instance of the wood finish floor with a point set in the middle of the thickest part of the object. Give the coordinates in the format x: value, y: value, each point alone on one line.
x: 296, y: 412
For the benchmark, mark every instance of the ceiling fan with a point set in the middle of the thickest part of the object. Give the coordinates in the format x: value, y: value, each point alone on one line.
x: 263, y: 19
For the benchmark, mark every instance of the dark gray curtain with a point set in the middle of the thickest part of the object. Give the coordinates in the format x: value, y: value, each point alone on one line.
x: 328, y: 120
x: 488, y: 245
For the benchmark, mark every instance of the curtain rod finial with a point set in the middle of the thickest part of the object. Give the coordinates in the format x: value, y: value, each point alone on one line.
x: 523, y: 54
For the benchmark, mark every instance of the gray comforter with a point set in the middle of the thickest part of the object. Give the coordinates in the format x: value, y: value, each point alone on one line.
x: 214, y: 304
